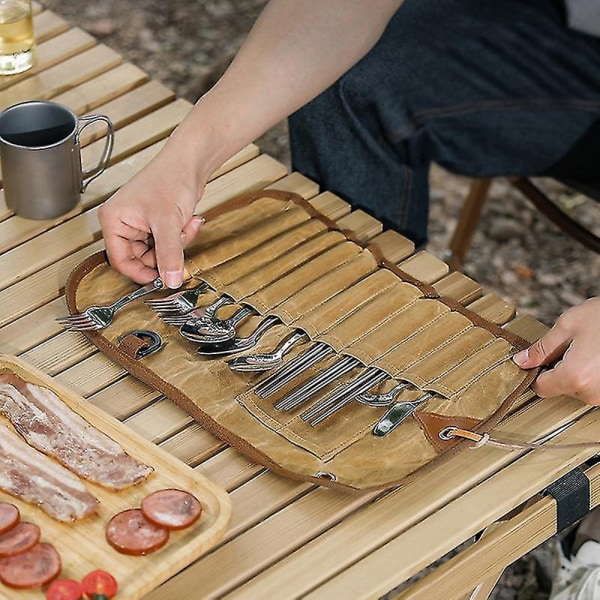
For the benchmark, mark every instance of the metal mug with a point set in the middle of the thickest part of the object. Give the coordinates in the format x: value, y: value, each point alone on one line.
x: 41, y: 158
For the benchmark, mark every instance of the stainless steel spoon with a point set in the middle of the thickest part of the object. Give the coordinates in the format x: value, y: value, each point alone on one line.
x: 213, y: 330
x: 264, y: 361
x: 239, y: 344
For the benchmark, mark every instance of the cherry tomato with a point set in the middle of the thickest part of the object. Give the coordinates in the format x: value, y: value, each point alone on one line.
x: 65, y: 589
x: 99, y: 585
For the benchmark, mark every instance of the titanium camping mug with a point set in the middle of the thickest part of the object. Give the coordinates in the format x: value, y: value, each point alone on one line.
x: 41, y: 158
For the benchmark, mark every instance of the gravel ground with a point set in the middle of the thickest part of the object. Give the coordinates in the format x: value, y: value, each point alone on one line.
x: 515, y: 253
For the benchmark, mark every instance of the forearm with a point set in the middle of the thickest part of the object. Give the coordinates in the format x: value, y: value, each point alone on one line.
x: 295, y: 51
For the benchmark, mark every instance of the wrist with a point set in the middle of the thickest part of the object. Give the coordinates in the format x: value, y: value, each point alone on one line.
x: 203, y: 142
x: 185, y: 156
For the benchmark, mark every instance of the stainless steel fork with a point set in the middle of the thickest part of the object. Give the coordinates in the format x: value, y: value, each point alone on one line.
x: 99, y: 317
x: 198, y: 316
x: 179, y: 302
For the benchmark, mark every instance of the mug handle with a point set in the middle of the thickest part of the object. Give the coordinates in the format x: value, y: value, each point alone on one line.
x: 108, y: 147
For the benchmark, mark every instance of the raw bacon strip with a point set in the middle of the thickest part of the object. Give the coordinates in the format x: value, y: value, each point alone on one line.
x: 32, y: 569
x: 130, y: 533
x: 27, y: 474
x: 9, y: 516
x: 171, y: 508
x: 49, y: 425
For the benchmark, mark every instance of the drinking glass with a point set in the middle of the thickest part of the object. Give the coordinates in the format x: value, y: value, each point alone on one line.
x: 16, y: 36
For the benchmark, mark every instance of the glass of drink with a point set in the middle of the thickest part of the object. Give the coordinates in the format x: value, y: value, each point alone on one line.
x: 16, y: 36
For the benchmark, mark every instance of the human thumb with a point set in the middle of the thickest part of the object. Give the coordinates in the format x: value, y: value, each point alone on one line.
x: 544, y: 351
x: 522, y: 359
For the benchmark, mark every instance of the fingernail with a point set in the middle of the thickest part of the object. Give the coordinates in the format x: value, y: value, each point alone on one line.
x: 173, y: 279
x: 521, y: 357
x: 201, y: 219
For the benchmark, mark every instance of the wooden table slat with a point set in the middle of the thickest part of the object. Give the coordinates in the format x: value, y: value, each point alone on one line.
x: 278, y: 535
x: 19, y: 298
x: 494, y: 309
x: 193, y: 445
x: 135, y: 394
x: 158, y: 421
x: 393, y: 246
x: 299, y: 184
x: 425, y: 266
x: 22, y: 333
x: 46, y: 25
x: 91, y: 374
x: 527, y: 327
x: 229, y: 469
x: 63, y: 44
x: 53, y: 357
x: 105, y: 88
x: 74, y: 67
x: 364, y: 226
x: 275, y: 493
x: 140, y: 134
x: 458, y: 286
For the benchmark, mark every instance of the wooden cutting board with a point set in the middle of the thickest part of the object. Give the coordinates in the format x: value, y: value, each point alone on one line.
x: 82, y: 545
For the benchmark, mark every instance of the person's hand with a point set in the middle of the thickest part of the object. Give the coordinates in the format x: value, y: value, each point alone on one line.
x: 572, y: 353
x: 150, y: 220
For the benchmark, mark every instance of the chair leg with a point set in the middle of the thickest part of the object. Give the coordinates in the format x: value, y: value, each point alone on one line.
x: 469, y: 217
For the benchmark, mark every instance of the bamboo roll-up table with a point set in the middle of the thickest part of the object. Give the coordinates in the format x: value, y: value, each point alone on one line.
x: 286, y: 538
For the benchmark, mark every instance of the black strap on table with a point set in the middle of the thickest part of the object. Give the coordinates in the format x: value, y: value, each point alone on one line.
x: 572, y: 495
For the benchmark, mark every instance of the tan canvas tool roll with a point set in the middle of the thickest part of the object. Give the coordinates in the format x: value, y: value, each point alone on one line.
x: 273, y: 252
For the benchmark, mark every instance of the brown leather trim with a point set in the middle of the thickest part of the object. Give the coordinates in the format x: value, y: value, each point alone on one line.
x: 131, y: 345
x: 78, y: 273
x: 432, y: 424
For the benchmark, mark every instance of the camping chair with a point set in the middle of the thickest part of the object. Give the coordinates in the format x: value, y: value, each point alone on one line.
x: 463, y: 233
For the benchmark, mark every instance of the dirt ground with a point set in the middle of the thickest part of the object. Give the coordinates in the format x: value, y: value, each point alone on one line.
x: 516, y: 253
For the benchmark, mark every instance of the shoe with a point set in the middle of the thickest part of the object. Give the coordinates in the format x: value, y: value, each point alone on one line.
x: 577, y: 577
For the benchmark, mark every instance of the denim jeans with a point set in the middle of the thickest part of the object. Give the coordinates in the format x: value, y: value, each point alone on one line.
x: 481, y: 87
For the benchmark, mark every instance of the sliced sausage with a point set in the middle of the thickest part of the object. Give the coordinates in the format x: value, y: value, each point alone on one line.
x: 130, y: 532
x: 31, y: 569
x: 171, y: 508
x: 20, y: 538
x: 9, y: 516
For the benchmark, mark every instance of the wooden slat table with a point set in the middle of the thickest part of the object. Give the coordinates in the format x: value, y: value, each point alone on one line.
x: 287, y: 538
